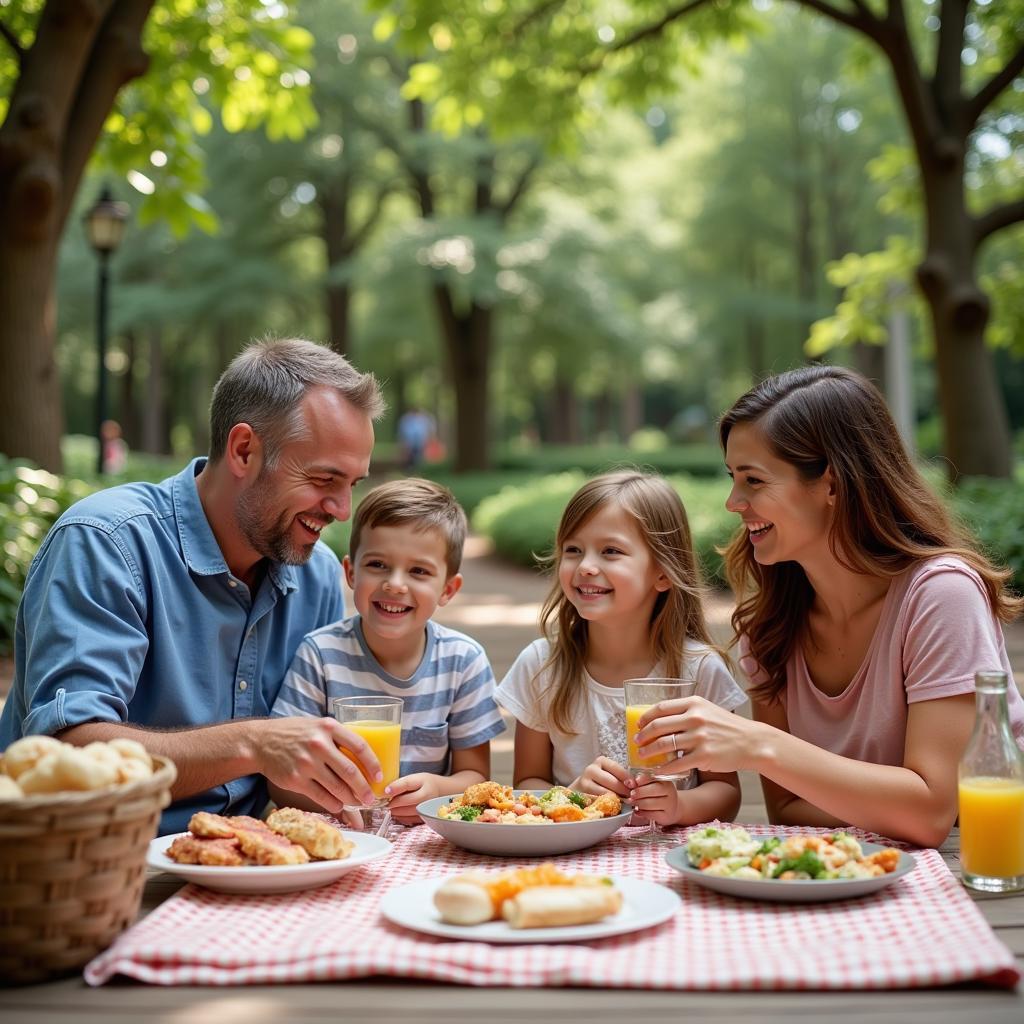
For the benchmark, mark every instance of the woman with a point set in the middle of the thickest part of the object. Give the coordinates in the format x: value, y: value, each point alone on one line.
x: 864, y: 612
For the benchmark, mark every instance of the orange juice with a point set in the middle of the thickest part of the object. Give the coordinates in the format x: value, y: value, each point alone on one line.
x: 633, y: 714
x: 992, y: 826
x: 385, y: 740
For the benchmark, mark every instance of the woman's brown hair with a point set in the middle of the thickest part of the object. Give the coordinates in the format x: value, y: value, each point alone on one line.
x: 678, y: 613
x: 886, y: 517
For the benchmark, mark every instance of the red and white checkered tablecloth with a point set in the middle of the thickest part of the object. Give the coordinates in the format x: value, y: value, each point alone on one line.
x: 922, y: 931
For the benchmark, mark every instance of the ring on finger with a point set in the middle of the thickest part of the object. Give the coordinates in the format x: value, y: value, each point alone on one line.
x: 675, y: 745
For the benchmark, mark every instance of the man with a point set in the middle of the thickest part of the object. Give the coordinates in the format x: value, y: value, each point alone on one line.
x: 415, y: 430
x: 170, y: 612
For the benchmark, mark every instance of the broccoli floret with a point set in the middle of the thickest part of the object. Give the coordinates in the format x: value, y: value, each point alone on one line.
x: 808, y: 862
x: 711, y: 831
x: 468, y: 813
x: 769, y: 844
x: 577, y: 798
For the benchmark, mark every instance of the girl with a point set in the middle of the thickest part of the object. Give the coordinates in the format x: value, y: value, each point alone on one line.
x: 625, y: 603
x: 864, y: 612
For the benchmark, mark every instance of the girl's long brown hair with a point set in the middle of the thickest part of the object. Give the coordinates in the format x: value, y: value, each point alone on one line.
x: 678, y: 612
x: 886, y: 517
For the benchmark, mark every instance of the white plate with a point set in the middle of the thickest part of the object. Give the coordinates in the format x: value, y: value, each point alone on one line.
x: 797, y: 891
x: 259, y: 880
x: 644, y: 904
x: 520, y: 840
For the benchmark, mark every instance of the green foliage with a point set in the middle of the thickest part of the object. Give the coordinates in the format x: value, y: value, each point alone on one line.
x: 992, y: 511
x: 873, y: 286
x: 30, y: 502
x: 529, y: 68
x: 521, y: 521
x: 245, y: 59
x: 693, y: 460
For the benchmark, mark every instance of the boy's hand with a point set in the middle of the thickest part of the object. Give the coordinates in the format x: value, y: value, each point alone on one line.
x: 405, y: 793
x: 655, y: 800
x: 603, y: 776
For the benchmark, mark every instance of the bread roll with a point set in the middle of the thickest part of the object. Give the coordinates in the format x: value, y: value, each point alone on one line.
x: 24, y: 754
x: 132, y: 751
x: 464, y: 900
x: 9, y: 789
x: 550, y: 906
x: 43, y: 777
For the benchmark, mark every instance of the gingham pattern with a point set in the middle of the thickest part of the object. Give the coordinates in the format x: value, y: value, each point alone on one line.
x: 922, y: 931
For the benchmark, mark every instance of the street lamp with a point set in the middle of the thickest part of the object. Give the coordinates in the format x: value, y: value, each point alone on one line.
x: 104, y: 227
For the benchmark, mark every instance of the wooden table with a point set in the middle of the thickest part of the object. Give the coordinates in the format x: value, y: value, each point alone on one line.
x: 71, y: 1000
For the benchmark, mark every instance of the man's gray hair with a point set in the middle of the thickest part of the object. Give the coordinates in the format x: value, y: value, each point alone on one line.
x: 266, y: 383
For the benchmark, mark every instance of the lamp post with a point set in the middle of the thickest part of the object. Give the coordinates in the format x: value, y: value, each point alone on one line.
x: 104, y: 227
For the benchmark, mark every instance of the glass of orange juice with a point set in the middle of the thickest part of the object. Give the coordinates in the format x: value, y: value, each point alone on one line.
x: 378, y: 720
x: 642, y: 694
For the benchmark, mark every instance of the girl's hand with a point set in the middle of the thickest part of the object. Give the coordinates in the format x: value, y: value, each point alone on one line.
x: 603, y: 776
x: 655, y: 800
x: 405, y: 793
x: 703, y: 735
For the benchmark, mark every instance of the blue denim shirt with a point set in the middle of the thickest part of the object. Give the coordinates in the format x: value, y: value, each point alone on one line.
x: 130, y: 614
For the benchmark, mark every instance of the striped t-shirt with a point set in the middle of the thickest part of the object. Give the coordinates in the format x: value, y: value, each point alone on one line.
x: 448, y: 701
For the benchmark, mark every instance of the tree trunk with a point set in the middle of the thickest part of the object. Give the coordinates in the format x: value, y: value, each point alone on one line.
x: 632, y: 410
x: 870, y: 361
x: 977, y: 433
x: 83, y: 52
x: 753, y: 322
x: 32, y: 420
x: 604, y: 406
x: 128, y: 411
x: 803, y: 223
x: 564, y: 412
x: 334, y: 203
x: 468, y: 343
x: 154, y: 429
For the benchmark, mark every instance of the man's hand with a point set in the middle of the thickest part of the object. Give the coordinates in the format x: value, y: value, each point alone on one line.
x: 302, y: 755
x: 603, y: 776
x: 655, y: 800
x: 405, y: 793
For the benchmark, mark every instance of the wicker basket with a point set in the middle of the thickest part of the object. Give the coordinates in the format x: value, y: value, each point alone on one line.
x: 72, y: 868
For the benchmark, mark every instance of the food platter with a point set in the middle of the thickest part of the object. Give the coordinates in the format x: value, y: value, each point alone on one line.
x: 797, y: 891
x: 645, y: 904
x: 500, y: 840
x: 257, y: 880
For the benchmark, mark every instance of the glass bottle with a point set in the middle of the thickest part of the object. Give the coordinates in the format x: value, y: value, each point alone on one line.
x: 992, y: 794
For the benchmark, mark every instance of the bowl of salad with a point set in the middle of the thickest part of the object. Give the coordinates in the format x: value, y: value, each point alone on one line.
x: 788, y: 868
x: 491, y: 818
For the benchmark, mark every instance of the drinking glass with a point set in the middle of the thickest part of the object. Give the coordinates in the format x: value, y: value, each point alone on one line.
x: 378, y: 720
x: 640, y: 695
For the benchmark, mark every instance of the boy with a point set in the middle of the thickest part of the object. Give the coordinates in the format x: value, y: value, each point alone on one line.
x: 403, y: 562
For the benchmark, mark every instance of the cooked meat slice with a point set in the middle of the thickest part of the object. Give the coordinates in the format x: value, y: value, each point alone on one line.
x: 210, y: 826
x: 267, y: 847
x: 311, y: 832
x: 214, y: 852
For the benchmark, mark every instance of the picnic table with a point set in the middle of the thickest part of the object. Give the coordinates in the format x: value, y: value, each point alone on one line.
x: 392, y: 1000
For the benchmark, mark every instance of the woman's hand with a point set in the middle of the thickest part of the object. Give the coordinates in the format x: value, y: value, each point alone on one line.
x: 703, y: 736
x: 603, y: 776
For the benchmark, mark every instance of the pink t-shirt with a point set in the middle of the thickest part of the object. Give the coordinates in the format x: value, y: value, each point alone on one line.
x: 936, y: 630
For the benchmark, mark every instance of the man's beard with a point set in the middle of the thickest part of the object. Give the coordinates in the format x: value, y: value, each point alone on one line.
x: 270, y: 539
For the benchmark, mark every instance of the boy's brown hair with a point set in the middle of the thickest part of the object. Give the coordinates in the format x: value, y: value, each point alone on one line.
x: 421, y: 504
